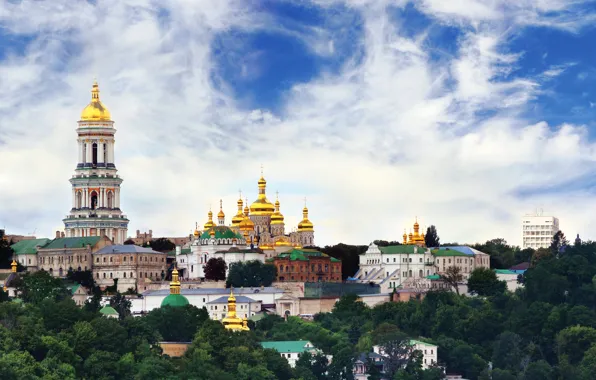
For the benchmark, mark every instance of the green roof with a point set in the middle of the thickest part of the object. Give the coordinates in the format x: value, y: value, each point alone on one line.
x: 108, y: 310
x: 183, y: 251
x: 448, y: 252
x: 28, y: 247
x: 287, y: 346
x: 304, y: 255
x: 222, y: 232
x: 394, y: 249
x: 73, y: 242
x: 504, y: 271
x: 414, y: 341
x: 174, y: 300
x: 74, y: 288
x: 433, y: 277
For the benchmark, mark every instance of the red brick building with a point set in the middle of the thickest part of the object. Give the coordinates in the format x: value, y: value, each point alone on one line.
x: 307, y: 265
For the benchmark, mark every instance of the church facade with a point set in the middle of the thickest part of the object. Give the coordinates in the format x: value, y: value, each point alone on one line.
x: 95, y: 185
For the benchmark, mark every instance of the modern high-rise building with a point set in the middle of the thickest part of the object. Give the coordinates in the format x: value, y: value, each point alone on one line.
x: 538, y: 230
x: 96, y: 185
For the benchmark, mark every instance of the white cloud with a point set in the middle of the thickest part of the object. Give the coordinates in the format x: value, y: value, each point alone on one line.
x: 390, y: 137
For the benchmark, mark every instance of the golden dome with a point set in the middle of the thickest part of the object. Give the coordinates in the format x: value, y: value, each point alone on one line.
x: 283, y: 242
x: 277, y: 217
x: 220, y: 214
x: 262, y: 206
x: 247, y: 224
x: 95, y: 111
x: 196, y: 233
x: 209, y: 223
x: 305, y: 224
x: 237, y: 219
x: 405, y: 236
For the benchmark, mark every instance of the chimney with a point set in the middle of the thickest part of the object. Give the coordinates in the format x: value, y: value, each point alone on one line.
x: 150, y: 233
x: 57, y: 234
x: 138, y: 233
x: 178, y: 250
x: 61, y: 234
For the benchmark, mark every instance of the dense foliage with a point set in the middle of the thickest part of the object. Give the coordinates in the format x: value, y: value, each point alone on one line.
x: 215, y: 269
x: 546, y: 331
x: 431, y: 238
x: 250, y: 274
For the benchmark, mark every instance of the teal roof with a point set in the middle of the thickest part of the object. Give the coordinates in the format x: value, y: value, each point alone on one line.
x: 394, y: 249
x: 108, y: 310
x: 414, y: 341
x: 433, y: 277
x: 174, y: 300
x: 304, y: 255
x: 288, y: 346
x: 183, y: 251
x: 222, y: 232
x: 504, y: 271
x: 28, y: 247
x: 448, y: 252
x: 74, y: 288
x: 73, y: 242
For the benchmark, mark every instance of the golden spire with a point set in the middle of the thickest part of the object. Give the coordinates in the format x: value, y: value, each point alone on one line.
x: 13, y: 266
x: 405, y: 236
x: 246, y: 224
x: 277, y: 217
x: 196, y: 233
x: 231, y: 321
x: 261, y: 206
x: 305, y: 224
x: 95, y: 111
x: 220, y: 214
x: 209, y: 223
x: 175, y: 284
x: 237, y: 219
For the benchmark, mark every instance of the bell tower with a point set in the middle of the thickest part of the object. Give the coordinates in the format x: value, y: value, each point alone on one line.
x: 95, y: 184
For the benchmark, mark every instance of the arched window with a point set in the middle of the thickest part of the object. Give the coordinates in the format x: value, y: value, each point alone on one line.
x: 421, y: 273
x: 410, y: 273
x: 104, y: 275
x: 110, y: 199
x: 124, y: 274
x: 84, y: 152
x: 79, y: 200
x: 105, y: 153
x: 93, y: 200
x: 131, y: 276
x: 111, y: 275
x: 94, y: 153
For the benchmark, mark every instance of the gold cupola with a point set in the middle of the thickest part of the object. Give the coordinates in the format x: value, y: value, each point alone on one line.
x: 405, y: 236
x: 13, y: 266
x: 239, y: 217
x: 247, y: 225
x: 196, y: 233
x: 221, y: 217
x: 262, y: 206
x: 277, y: 217
x: 232, y: 321
x: 305, y: 224
x: 209, y: 223
x: 95, y: 111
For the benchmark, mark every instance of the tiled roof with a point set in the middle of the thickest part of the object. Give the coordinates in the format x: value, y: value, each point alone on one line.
x: 303, y: 255
x: 125, y: 248
x: 73, y: 242
x: 239, y: 299
x: 28, y: 247
x: 394, y: 249
x: 288, y: 346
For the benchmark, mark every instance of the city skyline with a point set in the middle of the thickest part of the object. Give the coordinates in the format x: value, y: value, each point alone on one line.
x: 467, y: 117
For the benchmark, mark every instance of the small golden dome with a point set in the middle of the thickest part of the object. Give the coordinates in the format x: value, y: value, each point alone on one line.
x: 209, y: 223
x: 283, y: 242
x: 237, y: 219
x: 220, y: 214
x: 305, y: 224
x: 196, y: 233
x: 95, y: 111
x: 277, y: 217
x: 212, y: 232
x: 262, y: 206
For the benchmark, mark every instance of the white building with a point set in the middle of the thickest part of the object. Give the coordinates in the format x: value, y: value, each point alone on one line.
x: 95, y: 185
x: 428, y: 351
x: 201, y: 297
x: 291, y: 350
x: 245, y: 307
x: 538, y: 230
x: 390, y: 266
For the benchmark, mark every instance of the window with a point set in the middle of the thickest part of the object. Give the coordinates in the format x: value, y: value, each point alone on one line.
x: 124, y: 274
x: 124, y: 259
x: 111, y: 275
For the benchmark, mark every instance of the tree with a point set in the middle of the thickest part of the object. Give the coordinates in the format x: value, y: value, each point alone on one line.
x: 558, y: 244
x: 37, y: 286
x: 162, y: 245
x: 431, y: 239
x: 121, y: 304
x: 84, y: 278
x: 348, y: 254
x: 484, y: 282
x: 250, y: 274
x: 372, y: 370
x: 215, y: 269
x: 6, y: 254
x: 129, y: 242
x: 453, y: 277
x: 187, y: 319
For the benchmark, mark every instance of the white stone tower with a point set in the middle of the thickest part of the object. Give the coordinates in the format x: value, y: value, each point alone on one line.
x: 96, y: 184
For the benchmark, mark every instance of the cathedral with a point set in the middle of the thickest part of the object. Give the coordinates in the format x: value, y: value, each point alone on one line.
x: 256, y: 232
x: 95, y: 184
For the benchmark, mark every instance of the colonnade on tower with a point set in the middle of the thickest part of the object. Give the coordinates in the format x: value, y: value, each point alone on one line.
x: 95, y: 185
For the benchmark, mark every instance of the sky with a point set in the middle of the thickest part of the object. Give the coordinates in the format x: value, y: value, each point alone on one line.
x: 467, y: 114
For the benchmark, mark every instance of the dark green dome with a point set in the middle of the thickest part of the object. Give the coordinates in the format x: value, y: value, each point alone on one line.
x: 174, y: 300
x: 221, y: 232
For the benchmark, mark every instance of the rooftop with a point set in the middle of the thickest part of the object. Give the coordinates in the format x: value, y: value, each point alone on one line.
x: 395, y: 249
x: 462, y: 249
x: 73, y: 242
x: 289, y: 345
x: 28, y: 247
x: 222, y: 291
x: 239, y: 299
x: 125, y: 248
x: 303, y: 255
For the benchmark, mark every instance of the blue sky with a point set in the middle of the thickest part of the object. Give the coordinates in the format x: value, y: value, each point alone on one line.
x: 467, y: 114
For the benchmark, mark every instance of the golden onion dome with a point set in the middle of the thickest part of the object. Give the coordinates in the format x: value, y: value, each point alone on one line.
x: 277, y: 217
x: 95, y: 111
x: 220, y: 214
x: 305, y: 224
x: 209, y: 223
x: 262, y: 206
x: 196, y: 233
x: 237, y: 219
x: 283, y: 242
